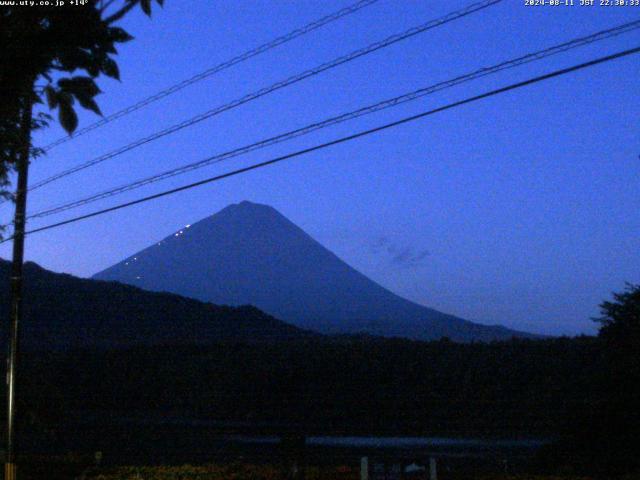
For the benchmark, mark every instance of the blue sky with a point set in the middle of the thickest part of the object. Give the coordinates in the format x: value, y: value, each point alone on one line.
x: 522, y: 209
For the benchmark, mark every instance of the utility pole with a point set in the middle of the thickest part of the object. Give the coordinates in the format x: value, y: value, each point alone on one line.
x: 16, y: 280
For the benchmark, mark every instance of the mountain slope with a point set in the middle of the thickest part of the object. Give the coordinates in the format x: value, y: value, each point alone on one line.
x: 251, y: 254
x: 62, y: 311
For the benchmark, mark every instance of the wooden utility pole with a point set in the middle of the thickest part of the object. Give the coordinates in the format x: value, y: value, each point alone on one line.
x: 16, y: 280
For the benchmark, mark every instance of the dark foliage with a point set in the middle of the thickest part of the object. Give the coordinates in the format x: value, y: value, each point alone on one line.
x: 620, y: 321
x: 54, y: 54
x: 350, y: 385
x: 601, y: 436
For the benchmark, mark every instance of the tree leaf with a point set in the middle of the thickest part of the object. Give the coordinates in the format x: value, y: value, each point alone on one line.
x: 87, y: 85
x: 68, y: 118
x: 89, y: 104
x: 81, y: 88
x: 52, y: 96
x: 65, y: 98
x: 71, y: 59
x: 110, y: 68
x: 79, y: 85
x: 146, y: 6
x: 119, y: 35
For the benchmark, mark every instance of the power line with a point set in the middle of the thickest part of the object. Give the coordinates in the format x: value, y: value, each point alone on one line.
x: 531, y: 57
x: 217, y: 69
x: 354, y: 136
x: 276, y: 86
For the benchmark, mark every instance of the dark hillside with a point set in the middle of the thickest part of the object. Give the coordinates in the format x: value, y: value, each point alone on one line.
x: 63, y: 311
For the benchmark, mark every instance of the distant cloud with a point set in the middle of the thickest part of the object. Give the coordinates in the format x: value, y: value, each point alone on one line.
x: 407, y: 257
x: 404, y: 256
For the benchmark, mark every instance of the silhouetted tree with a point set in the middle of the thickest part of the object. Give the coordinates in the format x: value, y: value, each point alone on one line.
x: 47, y: 44
x: 620, y: 321
x: 620, y: 334
x: 44, y: 48
x: 601, y: 434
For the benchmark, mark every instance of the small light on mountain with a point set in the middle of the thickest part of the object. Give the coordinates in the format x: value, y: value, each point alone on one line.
x: 180, y: 232
x: 187, y: 226
x: 176, y: 234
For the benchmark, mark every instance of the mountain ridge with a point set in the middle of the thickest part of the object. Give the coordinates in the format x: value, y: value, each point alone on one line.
x: 62, y: 311
x: 249, y: 253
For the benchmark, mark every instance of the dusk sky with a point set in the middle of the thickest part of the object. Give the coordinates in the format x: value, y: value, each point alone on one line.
x: 522, y: 209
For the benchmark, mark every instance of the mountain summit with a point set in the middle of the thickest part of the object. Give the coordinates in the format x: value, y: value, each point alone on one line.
x: 251, y: 254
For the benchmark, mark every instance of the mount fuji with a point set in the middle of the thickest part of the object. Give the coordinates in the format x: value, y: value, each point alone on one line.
x: 249, y: 253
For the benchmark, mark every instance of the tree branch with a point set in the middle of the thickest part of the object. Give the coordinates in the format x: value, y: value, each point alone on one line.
x: 122, y: 12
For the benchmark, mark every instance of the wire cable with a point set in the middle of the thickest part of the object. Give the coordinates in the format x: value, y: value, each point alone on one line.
x: 276, y: 86
x: 217, y: 69
x: 513, y: 86
x: 482, y: 72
